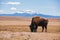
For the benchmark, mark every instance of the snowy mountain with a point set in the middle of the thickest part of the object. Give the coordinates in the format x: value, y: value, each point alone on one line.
x: 30, y: 15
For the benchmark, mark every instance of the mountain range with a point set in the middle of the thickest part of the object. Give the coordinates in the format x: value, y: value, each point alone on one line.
x: 30, y: 15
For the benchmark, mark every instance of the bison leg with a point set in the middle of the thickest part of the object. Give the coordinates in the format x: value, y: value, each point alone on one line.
x: 35, y: 28
x: 45, y: 28
x: 42, y: 28
x: 31, y: 28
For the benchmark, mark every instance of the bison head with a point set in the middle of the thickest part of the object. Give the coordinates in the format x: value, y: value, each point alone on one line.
x: 31, y: 28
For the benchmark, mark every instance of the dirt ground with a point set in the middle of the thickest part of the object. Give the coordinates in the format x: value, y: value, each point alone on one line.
x: 17, y: 28
x: 8, y: 35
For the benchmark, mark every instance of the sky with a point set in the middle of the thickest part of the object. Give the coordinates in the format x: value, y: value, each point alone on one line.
x: 47, y: 7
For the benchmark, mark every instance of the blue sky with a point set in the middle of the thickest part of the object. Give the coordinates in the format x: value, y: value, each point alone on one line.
x: 47, y: 7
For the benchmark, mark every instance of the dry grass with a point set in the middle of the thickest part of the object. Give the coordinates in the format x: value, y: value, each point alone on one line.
x: 13, y: 24
x: 17, y: 28
x: 25, y: 28
x: 8, y: 35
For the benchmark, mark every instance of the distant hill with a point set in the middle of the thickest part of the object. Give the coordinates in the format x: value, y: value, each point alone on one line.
x: 30, y: 15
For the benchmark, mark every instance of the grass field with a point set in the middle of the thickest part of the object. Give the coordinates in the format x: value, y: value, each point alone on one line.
x: 13, y: 25
x: 22, y: 25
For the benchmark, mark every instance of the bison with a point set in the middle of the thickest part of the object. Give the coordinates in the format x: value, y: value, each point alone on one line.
x: 38, y: 21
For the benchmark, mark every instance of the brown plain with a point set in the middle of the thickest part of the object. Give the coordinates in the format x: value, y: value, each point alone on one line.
x: 18, y: 28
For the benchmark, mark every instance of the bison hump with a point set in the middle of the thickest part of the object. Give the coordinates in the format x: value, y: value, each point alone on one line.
x: 36, y: 19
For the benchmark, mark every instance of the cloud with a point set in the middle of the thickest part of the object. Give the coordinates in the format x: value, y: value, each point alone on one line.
x: 1, y: 11
x: 12, y: 3
x: 13, y: 8
x: 26, y: 11
x: 30, y: 11
x: 20, y: 12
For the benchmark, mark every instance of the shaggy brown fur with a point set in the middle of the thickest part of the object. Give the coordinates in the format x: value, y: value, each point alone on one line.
x: 38, y: 21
